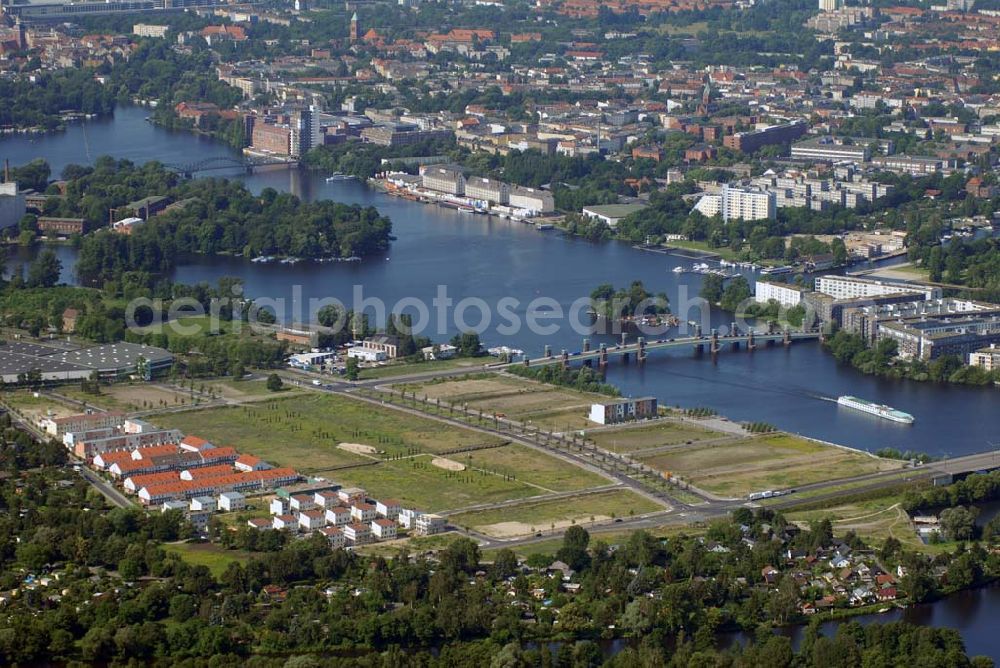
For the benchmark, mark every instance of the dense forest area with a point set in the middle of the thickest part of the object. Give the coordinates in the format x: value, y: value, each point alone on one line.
x: 40, y: 103
x: 209, y: 216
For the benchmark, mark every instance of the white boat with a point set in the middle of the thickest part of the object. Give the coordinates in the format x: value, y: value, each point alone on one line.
x: 678, y: 270
x: 339, y: 176
x: 878, y: 410
x: 771, y: 271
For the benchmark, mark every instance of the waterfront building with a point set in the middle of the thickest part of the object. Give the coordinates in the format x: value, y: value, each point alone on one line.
x: 490, y: 191
x: 784, y: 293
x: 987, y: 358
x: 853, y: 287
x: 738, y: 204
x: 532, y: 200
x: 623, y: 410
x: 443, y: 179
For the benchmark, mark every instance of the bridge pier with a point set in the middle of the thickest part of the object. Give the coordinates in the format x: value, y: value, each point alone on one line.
x: 786, y: 337
x: 586, y: 345
x: 602, y: 360
x: 715, y: 342
x: 751, y: 343
x: 527, y: 362
x: 548, y: 351
x: 564, y: 358
x: 641, y: 355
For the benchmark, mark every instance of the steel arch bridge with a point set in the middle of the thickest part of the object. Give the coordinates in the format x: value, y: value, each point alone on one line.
x: 246, y: 163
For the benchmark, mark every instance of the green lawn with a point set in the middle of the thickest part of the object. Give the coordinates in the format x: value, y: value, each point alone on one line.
x: 214, y: 557
x: 527, y: 518
x: 417, y: 483
x: 304, y: 431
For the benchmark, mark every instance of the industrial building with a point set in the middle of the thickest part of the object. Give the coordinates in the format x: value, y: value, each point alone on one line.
x: 55, y: 363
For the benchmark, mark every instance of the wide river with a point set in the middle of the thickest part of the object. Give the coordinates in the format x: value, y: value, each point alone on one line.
x: 478, y: 257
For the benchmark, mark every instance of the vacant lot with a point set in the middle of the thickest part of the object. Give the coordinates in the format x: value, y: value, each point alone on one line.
x: 532, y: 467
x: 527, y: 518
x: 770, y: 462
x: 631, y: 439
x: 35, y: 408
x: 130, y: 397
x: 417, y: 483
x: 545, y: 406
x: 304, y: 431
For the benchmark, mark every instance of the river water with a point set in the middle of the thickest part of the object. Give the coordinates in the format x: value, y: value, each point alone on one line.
x: 475, y: 256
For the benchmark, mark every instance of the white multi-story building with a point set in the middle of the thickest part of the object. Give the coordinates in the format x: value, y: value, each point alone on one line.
x: 338, y: 515
x: 310, y: 520
x: 529, y: 199
x: 149, y: 30
x: 852, y: 287
x: 429, y: 524
x: 783, y: 293
x: 487, y: 190
x: 231, y: 501
x: 738, y: 204
x: 357, y: 533
x: 384, y: 529
x: 444, y: 180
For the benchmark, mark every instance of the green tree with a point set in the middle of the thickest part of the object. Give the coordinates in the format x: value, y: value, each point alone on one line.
x: 274, y: 383
x: 44, y: 270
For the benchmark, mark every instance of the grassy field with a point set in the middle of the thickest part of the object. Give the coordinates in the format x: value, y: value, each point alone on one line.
x: 610, y: 537
x: 532, y: 467
x: 524, y: 519
x: 419, y: 484
x: 770, y: 462
x: 873, y: 520
x: 214, y: 557
x: 631, y: 439
x: 304, y: 431
x: 545, y: 406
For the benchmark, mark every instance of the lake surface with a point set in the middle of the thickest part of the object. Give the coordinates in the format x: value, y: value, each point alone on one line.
x: 474, y: 257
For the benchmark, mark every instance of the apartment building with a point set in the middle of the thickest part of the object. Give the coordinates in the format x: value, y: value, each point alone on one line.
x: 784, y: 293
x: 852, y: 287
x: 734, y: 203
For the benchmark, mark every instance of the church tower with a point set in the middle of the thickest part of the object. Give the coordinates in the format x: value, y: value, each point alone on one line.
x: 355, y: 33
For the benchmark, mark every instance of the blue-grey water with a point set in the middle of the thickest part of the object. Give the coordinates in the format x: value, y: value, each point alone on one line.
x: 473, y: 256
x: 476, y: 256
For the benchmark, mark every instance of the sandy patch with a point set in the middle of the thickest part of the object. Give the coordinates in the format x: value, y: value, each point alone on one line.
x: 358, y: 448
x: 515, y: 529
x: 447, y: 464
